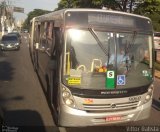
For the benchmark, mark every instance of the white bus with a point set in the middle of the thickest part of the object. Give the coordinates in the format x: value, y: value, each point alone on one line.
x: 96, y: 66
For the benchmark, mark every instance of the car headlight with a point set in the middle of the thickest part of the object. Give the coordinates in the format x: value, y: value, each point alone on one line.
x: 1, y: 44
x: 16, y: 43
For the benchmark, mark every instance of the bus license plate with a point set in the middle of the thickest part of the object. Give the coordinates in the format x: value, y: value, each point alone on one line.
x: 113, y: 118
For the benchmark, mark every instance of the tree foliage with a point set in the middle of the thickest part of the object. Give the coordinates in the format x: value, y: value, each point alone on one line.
x: 122, y: 5
x: 151, y: 9
x: 32, y: 14
x: 6, y: 11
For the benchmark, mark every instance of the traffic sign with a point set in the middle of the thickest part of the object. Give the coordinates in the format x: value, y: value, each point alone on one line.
x: 121, y: 79
x: 18, y: 9
x: 110, y: 80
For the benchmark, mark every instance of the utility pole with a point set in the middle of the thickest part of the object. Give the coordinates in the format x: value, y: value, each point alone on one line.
x: 6, y: 16
x: 3, y: 17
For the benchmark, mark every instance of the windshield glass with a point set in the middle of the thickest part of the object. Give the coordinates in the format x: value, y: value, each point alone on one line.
x: 86, y: 64
x: 9, y: 38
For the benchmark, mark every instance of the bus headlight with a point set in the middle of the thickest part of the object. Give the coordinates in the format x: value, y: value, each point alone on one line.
x: 65, y: 94
x: 148, y: 97
x: 150, y: 89
x: 67, y: 97
x: 69, y: 102
x: 149, y: 94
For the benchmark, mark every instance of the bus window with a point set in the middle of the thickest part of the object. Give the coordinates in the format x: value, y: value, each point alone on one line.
x: 84, y: 57
x: 49, y: 37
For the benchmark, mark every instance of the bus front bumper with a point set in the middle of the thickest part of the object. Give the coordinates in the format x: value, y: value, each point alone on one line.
x: 73, y: 118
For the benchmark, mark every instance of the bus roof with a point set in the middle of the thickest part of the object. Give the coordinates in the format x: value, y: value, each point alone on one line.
x: 61, y: 13
x: 86, y: 17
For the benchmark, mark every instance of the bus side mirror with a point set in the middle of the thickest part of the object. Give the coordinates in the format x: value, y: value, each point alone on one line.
x: 52, y: 64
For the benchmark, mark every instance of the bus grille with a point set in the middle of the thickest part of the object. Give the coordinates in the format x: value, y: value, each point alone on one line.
x: 110, y: 107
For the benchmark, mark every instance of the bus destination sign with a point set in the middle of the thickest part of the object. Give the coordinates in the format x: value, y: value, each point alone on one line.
x: 110, y: 19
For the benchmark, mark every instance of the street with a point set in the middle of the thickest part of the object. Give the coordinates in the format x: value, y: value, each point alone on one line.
x: 21, y: 95
x: 24, y: 104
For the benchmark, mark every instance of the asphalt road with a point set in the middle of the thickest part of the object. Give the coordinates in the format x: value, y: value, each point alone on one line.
x: 24, y: 103
x: 21, y: 95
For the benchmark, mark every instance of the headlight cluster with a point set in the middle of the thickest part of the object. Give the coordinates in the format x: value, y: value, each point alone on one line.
x: 16, y: 43
x: 67, y: 97
x: 1, y: 44
x: 149, y: 94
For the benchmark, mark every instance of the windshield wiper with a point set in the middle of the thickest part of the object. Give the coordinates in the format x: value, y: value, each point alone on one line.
x: 98, y: 41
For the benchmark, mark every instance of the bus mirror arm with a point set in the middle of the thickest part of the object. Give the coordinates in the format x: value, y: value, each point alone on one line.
x: 52, y: 65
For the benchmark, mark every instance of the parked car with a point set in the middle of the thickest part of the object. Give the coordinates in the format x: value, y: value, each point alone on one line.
x: 157, y: 40
x: 10, y: 42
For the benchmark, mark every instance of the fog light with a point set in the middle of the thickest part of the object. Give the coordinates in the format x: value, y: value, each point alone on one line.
x: 69, y: 102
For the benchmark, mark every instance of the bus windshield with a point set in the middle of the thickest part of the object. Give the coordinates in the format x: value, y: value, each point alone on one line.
x: 89, y: 55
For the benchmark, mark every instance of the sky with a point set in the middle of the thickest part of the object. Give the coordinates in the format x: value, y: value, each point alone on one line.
x: 30, y: 5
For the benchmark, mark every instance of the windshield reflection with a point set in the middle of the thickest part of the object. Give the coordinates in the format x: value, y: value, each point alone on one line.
x: 86, y: 63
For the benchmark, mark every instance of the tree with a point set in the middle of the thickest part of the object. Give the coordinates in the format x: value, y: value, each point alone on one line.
x: 122, y: 5
x: 151, y: 9
x: 32, y: 14
x: 6, y: 15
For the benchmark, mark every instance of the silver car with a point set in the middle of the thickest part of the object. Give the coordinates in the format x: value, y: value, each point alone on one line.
x: 10, y: 42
